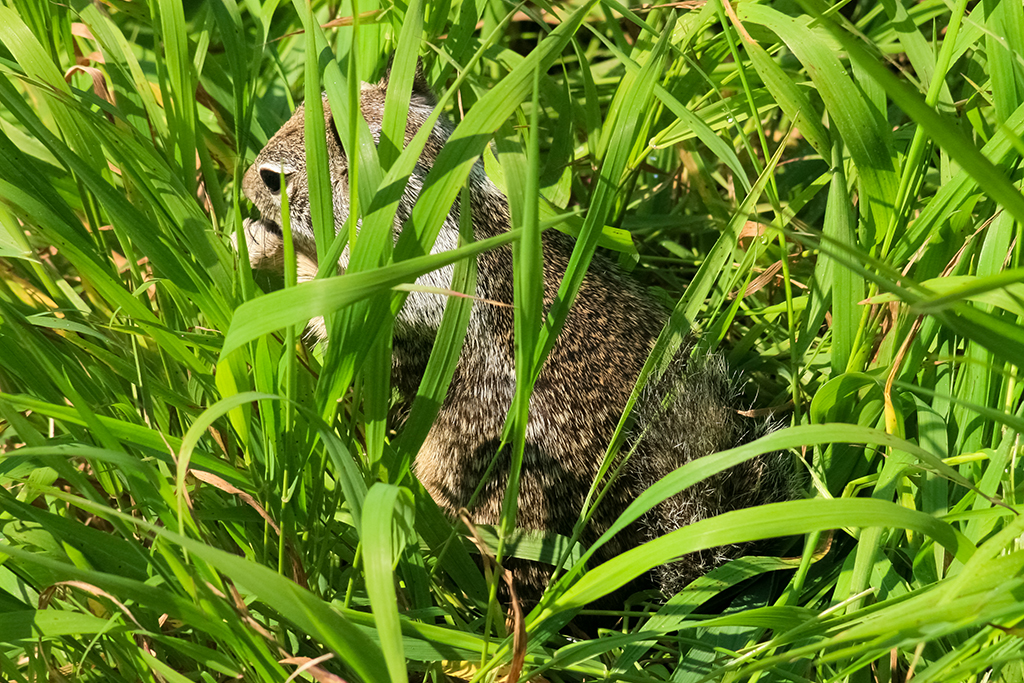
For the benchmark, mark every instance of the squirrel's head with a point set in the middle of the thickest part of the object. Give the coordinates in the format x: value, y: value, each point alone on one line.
x: 280, y: 167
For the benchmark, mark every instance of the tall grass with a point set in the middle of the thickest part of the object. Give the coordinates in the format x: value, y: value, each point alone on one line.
x: 829, y: 194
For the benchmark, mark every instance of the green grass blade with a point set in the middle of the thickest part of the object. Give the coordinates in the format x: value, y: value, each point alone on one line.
x: 384, y: 504
x: 297, y: 305
x: 774, y: 520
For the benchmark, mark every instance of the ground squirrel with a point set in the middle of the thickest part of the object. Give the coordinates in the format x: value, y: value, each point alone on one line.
x: 581, y: 391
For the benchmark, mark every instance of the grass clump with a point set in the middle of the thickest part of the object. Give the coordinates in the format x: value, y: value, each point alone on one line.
x: 828, y: 193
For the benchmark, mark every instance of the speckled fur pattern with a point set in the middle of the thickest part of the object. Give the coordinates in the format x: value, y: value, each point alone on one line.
x: 581, y: 391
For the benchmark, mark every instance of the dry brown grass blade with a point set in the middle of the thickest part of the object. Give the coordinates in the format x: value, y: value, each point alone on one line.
x: 310, y: 665
x: 92, y: 590
x: 99, y: 81
x: 518, y: 631
x: 298, y: 571
x: 218, y: 483
x: 364, y: 17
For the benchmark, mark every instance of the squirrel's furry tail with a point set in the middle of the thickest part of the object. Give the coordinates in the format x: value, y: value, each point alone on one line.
x: 689, y: 413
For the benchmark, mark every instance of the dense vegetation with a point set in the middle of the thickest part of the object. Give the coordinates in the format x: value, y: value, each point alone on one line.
x: 828, y: 194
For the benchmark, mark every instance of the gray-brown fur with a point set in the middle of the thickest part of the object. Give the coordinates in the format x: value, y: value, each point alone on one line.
x: 580, y: 393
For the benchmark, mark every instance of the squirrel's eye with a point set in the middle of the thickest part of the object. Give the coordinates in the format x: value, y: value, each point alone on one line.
x: 271, y: 172
x: 272, y: 179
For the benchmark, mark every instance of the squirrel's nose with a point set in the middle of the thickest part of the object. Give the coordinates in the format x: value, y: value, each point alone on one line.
x: 249, y: 183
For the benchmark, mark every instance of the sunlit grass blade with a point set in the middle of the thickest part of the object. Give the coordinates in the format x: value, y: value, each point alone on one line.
x: 299, y: 304
x: 769, y: 521
x: 466, y: 142
x: 638, y: 90
x: 179, y: 90
x: 863, y: 129
x: 451, y: 335
x: 943, y: 131
x: 385, y: 506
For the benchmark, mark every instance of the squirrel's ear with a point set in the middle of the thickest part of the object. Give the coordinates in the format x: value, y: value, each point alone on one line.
x: 420, y: 87
x: 421, y: 91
